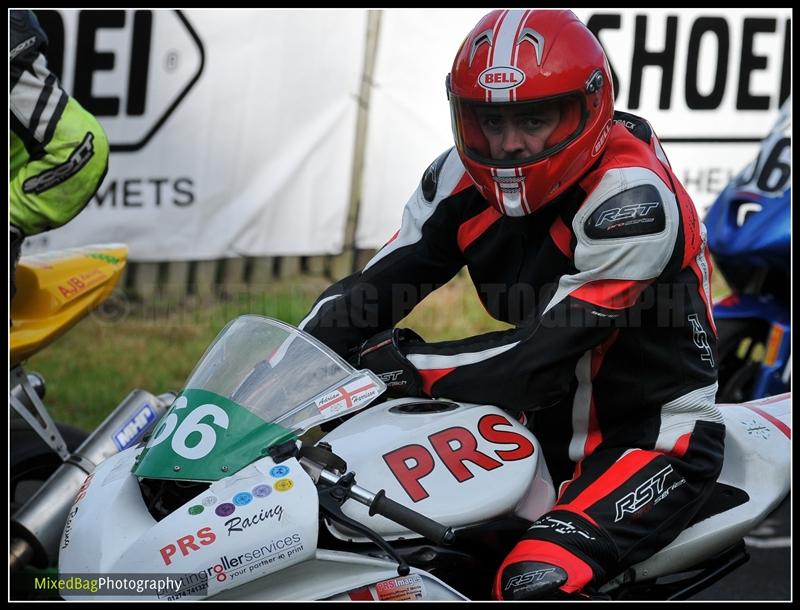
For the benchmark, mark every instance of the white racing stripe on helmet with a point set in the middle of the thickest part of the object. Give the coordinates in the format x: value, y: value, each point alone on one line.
x: 516, y: 51
x: 428, y: 362
x: 490, y: 54
x: 315, y: 310
x: 504, y: 44
x: 511, y: 199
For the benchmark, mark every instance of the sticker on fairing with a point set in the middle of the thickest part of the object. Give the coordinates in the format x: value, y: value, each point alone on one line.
x: 401, y: 588
x: 279, y: 471
x: 230, y: 570
x: 284, y: 485
x: 135, y: 427
x: 82, y: 491
x: 205, y: 437
x: 349, y: 396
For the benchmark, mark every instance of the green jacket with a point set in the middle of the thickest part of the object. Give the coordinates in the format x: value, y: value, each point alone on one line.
x: 58, y: 152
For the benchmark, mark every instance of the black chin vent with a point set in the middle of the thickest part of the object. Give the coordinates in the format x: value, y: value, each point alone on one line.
x: 425, y: 406
x: 164, y: 496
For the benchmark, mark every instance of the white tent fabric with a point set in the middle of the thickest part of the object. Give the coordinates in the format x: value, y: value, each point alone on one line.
x: 233, y: 131
x: 256, y: 157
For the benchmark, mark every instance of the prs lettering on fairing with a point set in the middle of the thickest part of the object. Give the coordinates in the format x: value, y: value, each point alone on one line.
x: 186, y: 544
x: 411, y: 463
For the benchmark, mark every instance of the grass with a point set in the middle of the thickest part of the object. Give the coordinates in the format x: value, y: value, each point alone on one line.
x: 154, y: 346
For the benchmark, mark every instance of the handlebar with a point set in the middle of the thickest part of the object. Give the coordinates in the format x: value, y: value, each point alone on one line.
x: 416, y: 522
x: 379, y: 504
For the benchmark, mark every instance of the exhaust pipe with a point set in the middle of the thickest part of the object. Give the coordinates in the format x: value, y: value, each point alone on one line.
x: 37, y: 526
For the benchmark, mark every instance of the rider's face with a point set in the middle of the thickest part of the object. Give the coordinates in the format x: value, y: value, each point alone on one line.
x: 517, y: 133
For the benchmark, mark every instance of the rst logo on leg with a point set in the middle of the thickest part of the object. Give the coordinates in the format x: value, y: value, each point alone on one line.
x: 119, y: 70
x: 642, y: 495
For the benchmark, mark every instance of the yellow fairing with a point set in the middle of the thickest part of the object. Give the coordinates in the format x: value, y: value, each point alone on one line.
x: 55, y: 290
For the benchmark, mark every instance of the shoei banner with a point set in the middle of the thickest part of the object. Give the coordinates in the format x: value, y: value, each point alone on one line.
x: 710, y: 81
x: 231, y: 131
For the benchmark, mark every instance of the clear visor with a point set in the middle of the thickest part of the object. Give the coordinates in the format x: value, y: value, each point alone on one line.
x: 516, y: 133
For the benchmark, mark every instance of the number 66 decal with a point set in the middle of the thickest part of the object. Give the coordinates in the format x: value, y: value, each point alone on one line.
x: 190, y: 425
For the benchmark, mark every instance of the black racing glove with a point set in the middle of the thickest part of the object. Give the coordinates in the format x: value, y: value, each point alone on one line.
x: 383, y: 355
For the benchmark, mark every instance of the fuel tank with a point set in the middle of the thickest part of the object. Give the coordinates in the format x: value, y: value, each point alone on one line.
x: 459, y: 464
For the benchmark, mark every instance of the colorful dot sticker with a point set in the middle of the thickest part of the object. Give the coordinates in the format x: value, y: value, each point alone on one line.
x: 262, y: 491
x: 196, y: 509
x: 209, y: 501
x: 279, y: 471
x: 243, y: 498
x: 223, y: 510
x: 284, y: 485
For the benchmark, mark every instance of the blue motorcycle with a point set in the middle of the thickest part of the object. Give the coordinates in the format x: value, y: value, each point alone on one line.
x: 749, y: 237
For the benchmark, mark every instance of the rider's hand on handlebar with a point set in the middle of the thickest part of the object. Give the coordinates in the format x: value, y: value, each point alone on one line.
x: 383, y: 354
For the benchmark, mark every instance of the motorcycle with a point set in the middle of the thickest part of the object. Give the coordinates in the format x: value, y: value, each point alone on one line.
x: 749, y: 236
x: 49, y: 461
x: 228, y: 499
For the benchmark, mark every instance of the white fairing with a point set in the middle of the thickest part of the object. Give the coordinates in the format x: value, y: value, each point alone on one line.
x: 260, y: 520
x: 253, y: 535
x: 757, y: 450
x: 460, y: 466
x: 334, y: 575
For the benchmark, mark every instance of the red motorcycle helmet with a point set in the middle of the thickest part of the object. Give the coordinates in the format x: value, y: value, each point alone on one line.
x: 531, y: 101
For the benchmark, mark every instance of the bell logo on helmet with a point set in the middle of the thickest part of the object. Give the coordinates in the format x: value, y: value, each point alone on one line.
x: 501, y: 77
x: 601, y: 139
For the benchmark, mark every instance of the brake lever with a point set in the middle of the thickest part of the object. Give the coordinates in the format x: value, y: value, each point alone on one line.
x: 331, y: 498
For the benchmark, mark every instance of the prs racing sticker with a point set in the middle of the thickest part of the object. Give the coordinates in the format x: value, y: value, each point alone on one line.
x: 409, y: 587
x: 229, y: 569
x: 402, y: 588
x: 357, y: 392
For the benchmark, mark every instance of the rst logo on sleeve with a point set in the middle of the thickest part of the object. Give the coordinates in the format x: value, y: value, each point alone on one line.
x: 636, y: 211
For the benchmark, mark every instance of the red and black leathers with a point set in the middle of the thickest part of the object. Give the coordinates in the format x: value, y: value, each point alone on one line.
x: 613, y: 350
